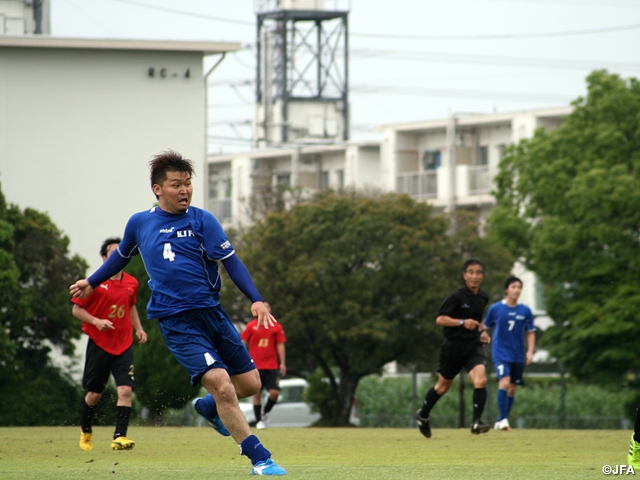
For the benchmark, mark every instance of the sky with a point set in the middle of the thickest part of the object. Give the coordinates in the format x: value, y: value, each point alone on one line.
x: 410, y: 60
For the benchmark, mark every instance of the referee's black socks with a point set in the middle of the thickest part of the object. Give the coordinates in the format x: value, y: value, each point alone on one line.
x: 479, y: 401
x: 430, y: 399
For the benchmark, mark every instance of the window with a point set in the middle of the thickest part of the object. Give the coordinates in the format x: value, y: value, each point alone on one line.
x: 431, y: 159
x: 339, y: 179
x: 483, y: 155
x: 283, y: 179
x: 324, y: 179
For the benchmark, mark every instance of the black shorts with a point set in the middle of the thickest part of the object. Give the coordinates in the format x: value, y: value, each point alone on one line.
x: 458, y: 354
x: 99, y: 364
x: 270, y: 379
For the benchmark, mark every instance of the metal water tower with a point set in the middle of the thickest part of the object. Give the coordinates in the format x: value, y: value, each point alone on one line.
x: 25, y: 17
x: 302, y: 74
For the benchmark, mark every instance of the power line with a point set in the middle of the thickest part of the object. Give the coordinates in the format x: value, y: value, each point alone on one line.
x: 189, y: 14
x: 497, y: 36
x: 231, y: 122
x: 237, y: 83
x: 233, y: 139
x: 230, y: 105
x: 407, y: 37
x: 454, y: 93
x: 422, y: 56
x: 602, y: 4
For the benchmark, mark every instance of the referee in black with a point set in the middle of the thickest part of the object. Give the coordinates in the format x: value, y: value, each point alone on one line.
x: 461, y: 316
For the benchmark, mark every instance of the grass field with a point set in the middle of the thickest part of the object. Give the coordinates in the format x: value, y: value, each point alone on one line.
x: 45, y: 453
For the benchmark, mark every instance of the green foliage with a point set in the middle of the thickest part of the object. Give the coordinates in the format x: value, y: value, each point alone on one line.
x: 568, y: 207
x: 40, y: 396
x: 35, y: 274
x: 319, y: 395
x: 357, y: 281
x: 162, y: 383
x: 388, y: 402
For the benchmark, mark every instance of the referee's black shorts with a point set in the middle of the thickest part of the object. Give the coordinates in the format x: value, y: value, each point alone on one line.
x: 456, y: 354
x: 99, y: 365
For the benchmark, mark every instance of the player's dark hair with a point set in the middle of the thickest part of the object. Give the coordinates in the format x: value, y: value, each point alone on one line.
x: 511, y: 280
x: 168, y: 161
x: 105, y: 245
x: 472, y: 261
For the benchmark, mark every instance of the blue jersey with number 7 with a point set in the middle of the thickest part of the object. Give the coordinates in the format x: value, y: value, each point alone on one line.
x: 508, y: 326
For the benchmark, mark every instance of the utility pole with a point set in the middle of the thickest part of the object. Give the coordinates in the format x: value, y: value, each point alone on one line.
x: 206, y: 127
x: 451, y: 142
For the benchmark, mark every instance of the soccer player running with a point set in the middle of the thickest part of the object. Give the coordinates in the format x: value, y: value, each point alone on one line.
x: 107, y: 317
x: 266, y: 347
x: 463, y: 347
x: 509, y: 321
x: 181, y: 246
x: 633, y: 456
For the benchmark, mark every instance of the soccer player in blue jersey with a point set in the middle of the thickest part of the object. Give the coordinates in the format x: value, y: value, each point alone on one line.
x: 181, y: 246
x: 510, y: 321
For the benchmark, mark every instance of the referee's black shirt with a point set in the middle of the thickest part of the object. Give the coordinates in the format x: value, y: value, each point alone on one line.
x: 462, y: 304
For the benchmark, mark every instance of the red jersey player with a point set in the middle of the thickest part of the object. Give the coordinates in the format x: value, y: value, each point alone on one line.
x: 107, y: 318
x: 266, y: 347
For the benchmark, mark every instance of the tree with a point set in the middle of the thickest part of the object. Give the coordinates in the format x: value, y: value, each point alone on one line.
x: 356, y: 281
x: 568, y: 207
x: 35, y: 274
x: 162, y: 383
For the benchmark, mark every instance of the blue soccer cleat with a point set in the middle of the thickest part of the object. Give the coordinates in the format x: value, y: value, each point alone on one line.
x: 268, y: 467
x: 215, y: 422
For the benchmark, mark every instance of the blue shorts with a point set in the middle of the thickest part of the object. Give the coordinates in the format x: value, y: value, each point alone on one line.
x: 513, y: 370
x: 203, y: 339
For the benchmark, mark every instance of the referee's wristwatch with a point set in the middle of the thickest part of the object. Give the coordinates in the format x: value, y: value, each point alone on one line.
x: 461, y: 322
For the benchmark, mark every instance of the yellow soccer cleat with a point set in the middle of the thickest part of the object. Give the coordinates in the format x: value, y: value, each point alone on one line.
x: 633, y: 458
x: 122, y: 443
x: 86, y: 442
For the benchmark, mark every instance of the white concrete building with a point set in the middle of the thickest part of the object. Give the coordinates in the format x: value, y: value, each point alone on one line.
x: 80, y: 119
x: 235, y: 179
x: 413, y: 158
x: 417, y: 157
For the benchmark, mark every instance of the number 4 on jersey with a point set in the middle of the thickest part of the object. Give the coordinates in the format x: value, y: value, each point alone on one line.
x: 167, y: 253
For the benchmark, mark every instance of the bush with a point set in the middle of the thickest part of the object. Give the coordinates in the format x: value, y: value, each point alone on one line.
x: 387, y: 402
x: 48, y: 398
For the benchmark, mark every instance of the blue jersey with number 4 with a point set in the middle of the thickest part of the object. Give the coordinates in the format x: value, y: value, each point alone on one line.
x: 508, y: 326
x: 181, y: 254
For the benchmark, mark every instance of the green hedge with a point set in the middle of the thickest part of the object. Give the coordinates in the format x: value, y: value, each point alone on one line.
x: 387, y: 402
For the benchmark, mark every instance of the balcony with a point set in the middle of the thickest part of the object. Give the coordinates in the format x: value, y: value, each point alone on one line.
x: 418, y: 185
x: 480, y: 179
x: 221, y: 209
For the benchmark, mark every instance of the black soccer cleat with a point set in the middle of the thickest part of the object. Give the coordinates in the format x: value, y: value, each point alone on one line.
x: 423, y: 425
x: 477, y: 427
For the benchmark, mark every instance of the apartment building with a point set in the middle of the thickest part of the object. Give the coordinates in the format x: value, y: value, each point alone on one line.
x: 449, y: 163
x: 236, y: 180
